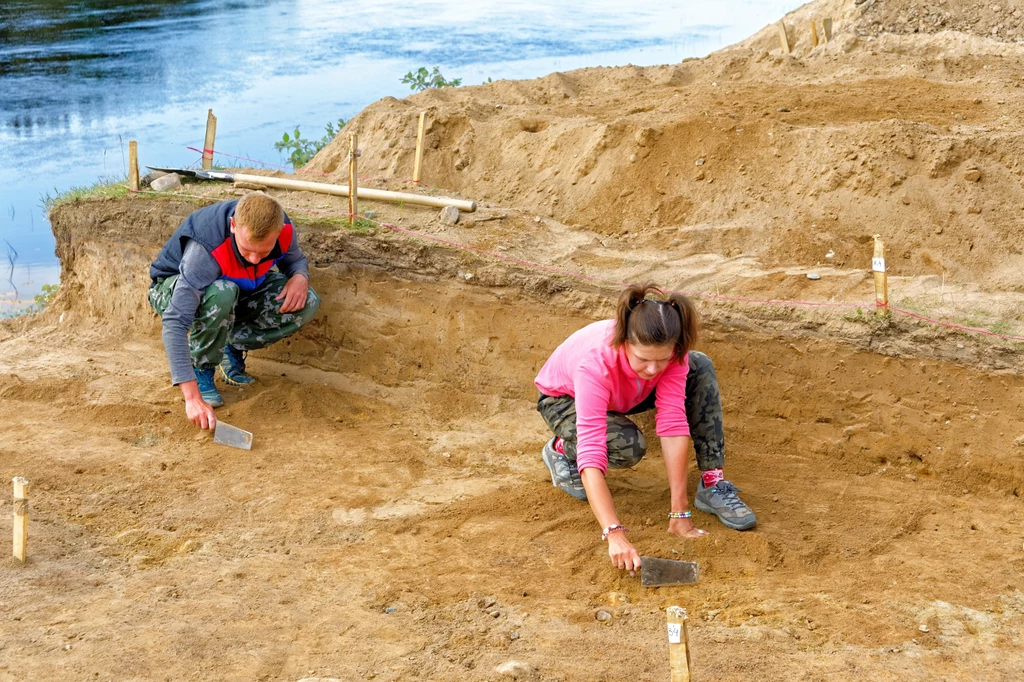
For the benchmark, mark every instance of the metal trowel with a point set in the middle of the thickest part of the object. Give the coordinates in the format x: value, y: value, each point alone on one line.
x: 656, y: 572
x: 232, y: 436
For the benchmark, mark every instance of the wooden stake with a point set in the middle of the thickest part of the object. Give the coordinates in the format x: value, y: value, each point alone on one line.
x: 419, y: 148
x: 20, y: 518
x: 678, y: 644
x: 881, y: 278
x: 783, y: 38
x: 827, y: 25
x: 353, y: 201
x: 211, y: 135
x: 814, y: 33
x: 133, y: 166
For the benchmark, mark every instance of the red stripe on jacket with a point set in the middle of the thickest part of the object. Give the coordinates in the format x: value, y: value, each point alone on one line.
x: 241, y: 273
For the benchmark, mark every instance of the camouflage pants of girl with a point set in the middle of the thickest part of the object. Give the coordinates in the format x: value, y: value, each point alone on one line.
x: 246, y: 319
x: 627, y: 445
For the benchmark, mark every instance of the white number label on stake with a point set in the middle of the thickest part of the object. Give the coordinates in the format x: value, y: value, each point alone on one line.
x: 675, y: 633
x: 878, y: 264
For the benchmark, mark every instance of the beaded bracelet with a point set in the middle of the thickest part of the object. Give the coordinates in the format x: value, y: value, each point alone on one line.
x: 612, y: 529
x: 681, y: 515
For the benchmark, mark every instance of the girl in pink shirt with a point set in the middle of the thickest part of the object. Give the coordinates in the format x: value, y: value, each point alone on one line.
x: 640, y: 360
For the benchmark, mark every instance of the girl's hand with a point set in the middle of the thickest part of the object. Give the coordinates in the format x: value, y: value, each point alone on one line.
x: 684, y: 528
x: 622, y: 553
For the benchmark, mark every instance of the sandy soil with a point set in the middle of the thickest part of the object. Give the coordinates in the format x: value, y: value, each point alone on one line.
x: 394, y: 521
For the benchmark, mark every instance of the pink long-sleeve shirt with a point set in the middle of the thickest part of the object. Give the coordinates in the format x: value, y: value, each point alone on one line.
x: 599, y: 378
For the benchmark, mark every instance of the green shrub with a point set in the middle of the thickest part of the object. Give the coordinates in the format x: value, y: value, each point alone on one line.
x: 44, y: 297
x: 300, y: 150
x: 421, y: 79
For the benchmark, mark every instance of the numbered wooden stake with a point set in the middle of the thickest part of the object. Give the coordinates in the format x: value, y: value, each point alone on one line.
x: 881, y: 278
x: 678, y: 644
x: 783, y: 38
x: 353, y: 179
x: 133, y: 166
x: 211, y: 136
x: 827, y: 26
x: 20, y: 518
x: 419, y: 148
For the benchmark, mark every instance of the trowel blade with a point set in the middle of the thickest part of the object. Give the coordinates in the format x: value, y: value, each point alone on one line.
x: 188, y: 172
x: 656, y: 572
x: 232, y: 436
x: 196, y: 173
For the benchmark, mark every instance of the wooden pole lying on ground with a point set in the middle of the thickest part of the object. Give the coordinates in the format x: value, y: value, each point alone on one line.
x: 353, y: 201
x: 20, y: 518
x: 827, y: 25
x: 881, y: 279
x: 133, y: 166
x: 783, y: 38
x: 339, y: 190
x: 678, y: 644
x: 814, y: 33
x: 211, y: 135
x: 419, y: 148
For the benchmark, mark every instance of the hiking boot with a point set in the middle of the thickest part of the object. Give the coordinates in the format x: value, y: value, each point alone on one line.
x: 722, y: 501
x: 232, y: 368
x: 207, y: 390
x: 564, y: 473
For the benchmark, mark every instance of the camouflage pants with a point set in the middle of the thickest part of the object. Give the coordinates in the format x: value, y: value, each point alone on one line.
x: 627, y: 445
x: 245, y: 319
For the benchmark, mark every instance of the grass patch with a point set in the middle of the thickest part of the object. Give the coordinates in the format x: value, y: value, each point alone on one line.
x: 360, y: 225
x: 914, y: 305
x: 1001, y: 327
x: 971, y: 321
x: 109, y: 187
x: 857, y: 316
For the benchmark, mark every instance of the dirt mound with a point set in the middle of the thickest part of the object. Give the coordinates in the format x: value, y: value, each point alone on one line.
x: 749, y: 152
x: 1002, y: 21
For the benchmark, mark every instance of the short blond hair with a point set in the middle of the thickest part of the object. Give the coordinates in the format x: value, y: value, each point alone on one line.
x: 260, y: 215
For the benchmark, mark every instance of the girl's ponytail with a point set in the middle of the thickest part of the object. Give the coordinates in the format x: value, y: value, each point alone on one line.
x: 689, y: 318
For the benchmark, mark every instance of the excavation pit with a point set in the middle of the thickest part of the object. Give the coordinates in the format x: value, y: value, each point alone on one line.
x: 395, y: 520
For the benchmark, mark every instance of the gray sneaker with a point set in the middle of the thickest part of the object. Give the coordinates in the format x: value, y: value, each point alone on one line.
x: 564, y: 473
x: 722, y: 501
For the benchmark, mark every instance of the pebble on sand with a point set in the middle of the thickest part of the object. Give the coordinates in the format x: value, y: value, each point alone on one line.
x: 167, y: 182
x: 515, y: 669
x: 449, y: 215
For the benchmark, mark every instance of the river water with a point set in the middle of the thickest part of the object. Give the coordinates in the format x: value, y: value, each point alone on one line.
x: 79, y: 79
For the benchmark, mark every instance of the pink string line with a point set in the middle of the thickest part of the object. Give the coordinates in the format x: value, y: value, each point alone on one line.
x: 598, y: 280
x: 958, y: 327
x: 242, y: 158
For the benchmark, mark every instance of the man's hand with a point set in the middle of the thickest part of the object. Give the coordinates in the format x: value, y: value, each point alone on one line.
x: 684, y: 528
x: 197, y: 410
x: 294, y: 294
x: 623, y: 554
x: 201, y: 414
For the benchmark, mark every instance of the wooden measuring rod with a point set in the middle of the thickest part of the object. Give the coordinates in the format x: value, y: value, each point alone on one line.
x: 20, y: 518
x: 324, y: 188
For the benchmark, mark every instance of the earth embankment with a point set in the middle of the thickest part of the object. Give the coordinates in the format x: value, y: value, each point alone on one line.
x: 394, y: 521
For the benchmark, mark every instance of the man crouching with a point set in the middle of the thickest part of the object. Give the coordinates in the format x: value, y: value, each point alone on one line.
x: 218, y: 297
